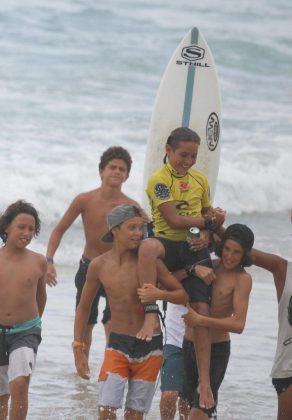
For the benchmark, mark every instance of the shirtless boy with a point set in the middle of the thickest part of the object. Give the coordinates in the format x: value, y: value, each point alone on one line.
x: 228, y: 310
x: 22, y: 302
x: 114, y: 168
x: 127, y: 358
x: 282, y: 367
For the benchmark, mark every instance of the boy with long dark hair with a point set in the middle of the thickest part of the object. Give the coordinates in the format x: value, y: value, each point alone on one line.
x: 22, y: 302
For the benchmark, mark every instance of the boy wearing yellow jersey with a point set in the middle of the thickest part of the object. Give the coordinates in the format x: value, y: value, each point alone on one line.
x: 179, y: 199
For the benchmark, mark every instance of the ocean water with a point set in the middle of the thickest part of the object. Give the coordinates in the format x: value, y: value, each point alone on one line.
x: 77, y: 76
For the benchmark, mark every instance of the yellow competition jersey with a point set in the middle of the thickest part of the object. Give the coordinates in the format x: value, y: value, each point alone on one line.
x: 190, y: 193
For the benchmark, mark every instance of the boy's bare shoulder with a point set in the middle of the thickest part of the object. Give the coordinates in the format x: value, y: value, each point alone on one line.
x: 244, y: 278
x: 100, y: 261
x: 244, y: 274
x: 126, y: 199
x: 86, y: 196
x: 40, y: 258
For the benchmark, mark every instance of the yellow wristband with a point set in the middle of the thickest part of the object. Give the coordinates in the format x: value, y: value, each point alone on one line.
x: 76, y: 344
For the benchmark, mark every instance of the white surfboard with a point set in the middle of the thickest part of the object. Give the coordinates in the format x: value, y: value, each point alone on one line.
x: 188, y: 96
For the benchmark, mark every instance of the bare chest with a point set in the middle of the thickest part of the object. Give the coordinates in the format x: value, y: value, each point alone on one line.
x: 222, y: 295
x: 121, y: 284
x: 94, y: 217
x: 18, y: 277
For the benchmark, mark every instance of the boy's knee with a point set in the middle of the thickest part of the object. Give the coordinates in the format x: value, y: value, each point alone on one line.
x: 150, y: 248
x: 168, y: 404
x: 168, y: 398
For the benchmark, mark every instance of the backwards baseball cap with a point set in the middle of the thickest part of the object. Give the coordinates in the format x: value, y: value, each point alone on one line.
x: 241, y: 234
x: 117, y: 216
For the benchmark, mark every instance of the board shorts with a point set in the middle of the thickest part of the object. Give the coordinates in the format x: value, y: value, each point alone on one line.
x: 177, y: 256
x: 281, y: 384
x: 220, y: 353
x: 129, y: 360
x: 79, y: 283
x: 18, y: 350
x: 172, y: 369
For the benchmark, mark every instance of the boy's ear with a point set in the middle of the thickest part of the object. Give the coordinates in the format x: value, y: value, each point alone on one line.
x: 167, y: 148
x: 114, y: 230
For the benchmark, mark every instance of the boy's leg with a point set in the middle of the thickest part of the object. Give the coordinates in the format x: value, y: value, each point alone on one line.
x: 191, y: 380
x: 284, y: 404
x: 283, y: 386
x: 200, y: 299
x: 107, y: 413
x: 22, y: 358
x: 220, y: 353
x: 145, y: 367
x: 106, y: 321
x: 4, y: 387
x: 168, y: 401
x: 149, y: 251
x: 131, y: 414
x: 4, y: 406
x: 203, y: 354
x: 183, y: 409
x: 80, y: 279
x: 171, y: 380
x: 19, y: 398
x: 113, y: 377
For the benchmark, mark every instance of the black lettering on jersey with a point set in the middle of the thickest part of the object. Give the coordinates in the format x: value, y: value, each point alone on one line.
x: 161, y: 191
x: 180, y: 205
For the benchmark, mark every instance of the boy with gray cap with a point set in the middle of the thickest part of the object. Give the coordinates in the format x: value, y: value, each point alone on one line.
x: 127, y: 358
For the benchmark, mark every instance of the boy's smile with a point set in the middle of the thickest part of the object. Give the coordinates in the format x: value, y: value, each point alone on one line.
x: 184, y: 157
x: 21, y: 230
x: 232, y: 254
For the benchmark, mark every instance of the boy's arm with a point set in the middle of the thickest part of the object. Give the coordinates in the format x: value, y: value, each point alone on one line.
x: 41, y: 294
x: 66, y: 221
x: 173, y: 292
x: 169, y: 212
x: 90, y: 289
x: 204, y: 273
x: 234, y: 323
x: 212, y: 220
x: 273, y: 263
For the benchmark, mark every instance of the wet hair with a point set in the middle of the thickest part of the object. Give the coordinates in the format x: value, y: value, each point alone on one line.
x: 241, y: 234
x: 181, y: 134
x: 14, y: 210
x: 246, y: 260
x: 115, y: 152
